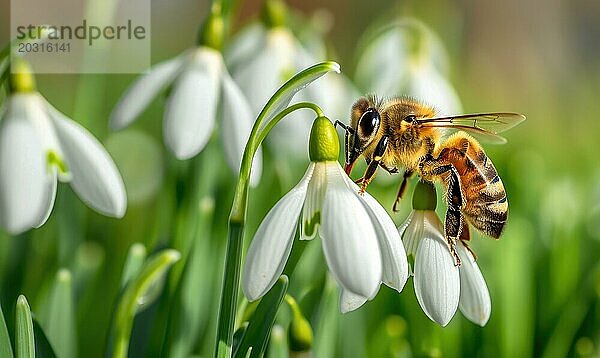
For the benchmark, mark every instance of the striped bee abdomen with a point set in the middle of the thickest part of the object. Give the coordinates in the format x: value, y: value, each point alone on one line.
x: 484, y: 199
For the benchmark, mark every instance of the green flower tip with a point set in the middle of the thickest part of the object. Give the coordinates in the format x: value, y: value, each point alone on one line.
x: 138, y: 249
x: 54, y: 160
x: 395, y: 326
x: 213, y: 30
x: 172, y: 256
x: 311, y: 224
x: 64, y: 276
x: 324, y: 144
x: 424, y: 196
x: 22, y: 302
x: 22, y: 79
x: 274, y: 13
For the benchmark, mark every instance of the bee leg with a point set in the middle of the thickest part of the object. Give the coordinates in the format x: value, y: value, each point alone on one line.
x: 454, y: 218
x: 349, y: 131
x: 465, y: 236
x: 374, y: 163
x: 402, y: 189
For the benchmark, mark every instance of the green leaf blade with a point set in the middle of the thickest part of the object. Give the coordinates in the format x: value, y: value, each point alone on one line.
x: 60, y: 323
x: 258, y: 332
x: 24, y: 337
x: 139, y: 293
x: 5, y: 345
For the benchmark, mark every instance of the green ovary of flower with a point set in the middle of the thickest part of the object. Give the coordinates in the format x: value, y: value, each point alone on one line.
x: 424, y: 196
x: 324, y: 144
x: 212, y: 32
x: 21, y: 77
x: 274, y: 13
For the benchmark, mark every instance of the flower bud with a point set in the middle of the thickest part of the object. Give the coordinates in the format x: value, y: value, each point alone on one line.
x: 324, y: 144
x: 424, y: 196
x: 21, y: 77
x: 300, y: 335
x: 213, y: 30
x: 274, y: 13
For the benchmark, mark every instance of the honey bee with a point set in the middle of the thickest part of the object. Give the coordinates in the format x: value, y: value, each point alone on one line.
x: 403, y: 132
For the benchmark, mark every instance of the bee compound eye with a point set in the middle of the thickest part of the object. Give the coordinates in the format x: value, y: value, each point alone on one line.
x: 369, y: 122
x: 410, y: 118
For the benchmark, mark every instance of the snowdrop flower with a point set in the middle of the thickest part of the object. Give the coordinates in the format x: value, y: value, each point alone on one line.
x: 415, y: 64
x: 201, y: 88
x: 38, y: 145
x: 263, y: 56
x: 360, y: 242
x: 440, y: 286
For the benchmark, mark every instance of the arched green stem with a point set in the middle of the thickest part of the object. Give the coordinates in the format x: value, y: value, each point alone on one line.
x: 273, y: 112
x: 236, y: 231
x: 272, y: 123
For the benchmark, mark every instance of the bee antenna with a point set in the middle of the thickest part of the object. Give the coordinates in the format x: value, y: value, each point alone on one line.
x: 344, y: 126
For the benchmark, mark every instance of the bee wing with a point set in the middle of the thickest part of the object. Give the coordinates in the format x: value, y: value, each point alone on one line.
x: 484, y: 125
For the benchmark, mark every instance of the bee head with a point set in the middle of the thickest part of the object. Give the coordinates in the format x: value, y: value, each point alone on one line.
x: 365, y: 123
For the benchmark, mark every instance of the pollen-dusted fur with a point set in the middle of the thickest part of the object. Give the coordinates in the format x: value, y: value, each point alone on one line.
x: 474, y: 191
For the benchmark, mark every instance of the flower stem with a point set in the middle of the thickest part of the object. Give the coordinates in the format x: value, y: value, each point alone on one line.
x: 237, y: 217
x: 257, y: 136
x: 233, y: 259
x: 290, y: 109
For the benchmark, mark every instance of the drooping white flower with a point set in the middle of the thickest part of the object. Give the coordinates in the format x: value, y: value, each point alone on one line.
x: 201, y: 89
x: 406, y: 58
x: 436, y: 279
x: 360, y: 242
x: 261, y: 59
x: 440, y: 286
x: 38, y: 145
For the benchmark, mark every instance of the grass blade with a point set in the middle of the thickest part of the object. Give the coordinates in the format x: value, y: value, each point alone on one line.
x: 24, y: 338
x: 259, y: 329
x: 133, y: 263
x: 60, y: 323
x: 5, y: 345
x: 139, y: 293
x: 43, y: 348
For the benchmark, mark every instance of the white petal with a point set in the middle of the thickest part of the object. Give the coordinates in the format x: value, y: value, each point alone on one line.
x: 245, y: 45
x: 312, y: 210
x: 393, y: 256
x: 270, y: 67
x: 144, y: 89
x: 412, y: 231
x: 387, y: 51
x: 33, y: 107
x: 437, y: 282
x: 350, y: 301
x: 272, y: 243
x: 428, y: 85
x: 191, y: 106
x: 475, y: 302
x: 349, y: 239
x: 48, y: 199
x: 25, y: 183
x: 236, y: 127
x: 96, y: 179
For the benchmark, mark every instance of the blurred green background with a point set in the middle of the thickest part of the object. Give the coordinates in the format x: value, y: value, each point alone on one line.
x: 539, y: 58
